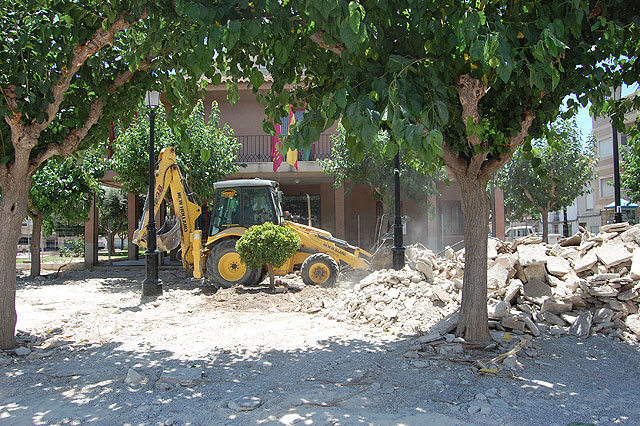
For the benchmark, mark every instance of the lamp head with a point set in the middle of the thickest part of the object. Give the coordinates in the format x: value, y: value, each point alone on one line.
x: 152, y: 99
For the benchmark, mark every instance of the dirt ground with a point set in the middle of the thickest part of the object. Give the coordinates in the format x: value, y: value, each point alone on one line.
x: 100, y: 354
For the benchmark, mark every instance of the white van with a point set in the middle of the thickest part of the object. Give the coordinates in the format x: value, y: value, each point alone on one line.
x: 516, y: 232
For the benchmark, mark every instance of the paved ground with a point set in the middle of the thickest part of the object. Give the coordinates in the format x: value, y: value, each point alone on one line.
x: 104, y: 355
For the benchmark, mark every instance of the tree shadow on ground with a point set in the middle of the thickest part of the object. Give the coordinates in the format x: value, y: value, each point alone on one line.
x: 335, y: 381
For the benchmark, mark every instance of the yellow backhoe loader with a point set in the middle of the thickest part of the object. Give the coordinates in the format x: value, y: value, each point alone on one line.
x: 238, y: 205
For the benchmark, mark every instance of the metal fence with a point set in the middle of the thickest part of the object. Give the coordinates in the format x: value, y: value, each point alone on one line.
x: 257, y: 149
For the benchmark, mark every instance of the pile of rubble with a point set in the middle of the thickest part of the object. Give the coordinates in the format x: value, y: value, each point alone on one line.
x: 584, y: 284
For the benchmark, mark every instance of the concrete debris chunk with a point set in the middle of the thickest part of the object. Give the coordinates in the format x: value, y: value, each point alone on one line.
x: 585, y: 263
x: 497, y: 276
x: 532, y: 254
x: 182, y: 376
x: 613, y: 254
x: 631, y: 235
x: 555, y: 307
x: 615, y: 227
x: 633, y: 324
x: 635, y: 265
x: 558, y: 266
x: 573, y: 240
x: 581, y: 327
x: 537, y: 291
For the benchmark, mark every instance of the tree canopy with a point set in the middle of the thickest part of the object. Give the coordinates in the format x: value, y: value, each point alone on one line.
x: 209, y: 154
x: 376, y: 170
x: 61, y: 191
x: 550, y: 175
x: 630, y: 166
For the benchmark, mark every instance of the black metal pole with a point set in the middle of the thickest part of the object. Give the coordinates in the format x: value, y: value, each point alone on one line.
x: 151, y: 286
x: 398, y: 248
x: 565, y: 225
x: 616, y: 177
x: 617, y: 217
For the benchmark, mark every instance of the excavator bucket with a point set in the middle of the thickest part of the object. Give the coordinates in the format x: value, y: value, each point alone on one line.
x: 169, y: 236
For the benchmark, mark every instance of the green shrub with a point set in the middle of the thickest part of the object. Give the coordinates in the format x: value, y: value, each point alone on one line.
x: 267, y: 244
x: 73, y: 248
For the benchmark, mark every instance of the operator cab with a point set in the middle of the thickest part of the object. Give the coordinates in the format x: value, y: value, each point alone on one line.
x: 244, y: 203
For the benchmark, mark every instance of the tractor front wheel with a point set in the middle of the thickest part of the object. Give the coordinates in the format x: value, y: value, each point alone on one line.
x: 225, y: 268
x: 320, y: 269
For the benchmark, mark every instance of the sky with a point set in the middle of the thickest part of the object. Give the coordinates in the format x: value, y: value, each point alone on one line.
x: 583, y: 119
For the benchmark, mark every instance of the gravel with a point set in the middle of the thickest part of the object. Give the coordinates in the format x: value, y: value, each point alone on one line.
x: 100, y: 354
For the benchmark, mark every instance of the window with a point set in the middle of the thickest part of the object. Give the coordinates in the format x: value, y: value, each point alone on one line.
x: 297, y: 206
x: 451, y: 218
x: 589, y: 199
x: 594, y: 229
x: 556, y: 228
x: 605, y: 148
x: 606, y: 189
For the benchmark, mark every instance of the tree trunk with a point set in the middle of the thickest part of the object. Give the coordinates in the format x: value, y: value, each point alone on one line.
x: 13, y: 210
x: 36, y: 233
x: 545, y: 226
x: 474, y: 319
x: 272, y: 278
x: 110, y: 240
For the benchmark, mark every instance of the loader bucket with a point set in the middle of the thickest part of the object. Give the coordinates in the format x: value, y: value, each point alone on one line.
x: 169, y: 236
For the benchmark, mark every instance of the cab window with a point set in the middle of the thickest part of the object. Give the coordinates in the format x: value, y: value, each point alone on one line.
x: 226, y: 212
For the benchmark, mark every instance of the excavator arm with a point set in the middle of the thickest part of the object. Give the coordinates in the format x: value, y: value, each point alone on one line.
x: 314, y: 240
x: 178, y: 230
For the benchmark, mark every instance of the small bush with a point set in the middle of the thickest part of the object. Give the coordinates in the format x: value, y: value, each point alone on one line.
x: 73, y: 248
x: 267, y: 244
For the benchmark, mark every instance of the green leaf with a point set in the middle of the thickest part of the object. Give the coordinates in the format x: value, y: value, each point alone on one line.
x: 504, y: 70
x: 256, y: 78
x: 341, y: 98
x: 349, y: 38
x: 354, y: 17
x: 205, y: 155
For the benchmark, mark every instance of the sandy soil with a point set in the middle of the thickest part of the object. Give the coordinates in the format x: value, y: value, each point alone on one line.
x: 102, y: 355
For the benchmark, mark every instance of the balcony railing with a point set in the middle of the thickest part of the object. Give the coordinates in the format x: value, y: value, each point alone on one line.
x: 257, y: 149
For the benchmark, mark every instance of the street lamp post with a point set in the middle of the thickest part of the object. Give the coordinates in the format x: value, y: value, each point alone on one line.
x: 398, y: 248
x: 151, y: 286
x: 617, y: 218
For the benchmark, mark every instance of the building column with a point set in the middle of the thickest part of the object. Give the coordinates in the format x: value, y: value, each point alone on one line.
x: 91, y: 235
x: 498, y: 212
x: 339, y: 212
x: 133, y: 203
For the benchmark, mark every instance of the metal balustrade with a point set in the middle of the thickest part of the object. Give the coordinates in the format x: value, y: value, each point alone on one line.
x: 257, y: 149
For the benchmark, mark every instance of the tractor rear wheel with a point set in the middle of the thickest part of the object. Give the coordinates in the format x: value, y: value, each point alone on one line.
x: 320, y: 269
x: 225, y: 268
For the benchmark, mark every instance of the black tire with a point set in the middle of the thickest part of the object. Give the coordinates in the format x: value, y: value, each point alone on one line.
x: 225, y: 269
x: 320, y: 269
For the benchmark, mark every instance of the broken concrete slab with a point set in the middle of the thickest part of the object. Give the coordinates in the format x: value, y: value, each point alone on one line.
x: 498, y: 310
x: 535, y: 272
x: 581, y: 327
x: 532, y: 254
x: 573, y: 240
x: 633, y: 324
x: 555, y: 307
x: 611, y: 254
x: 497, y: 276
x: 537, y: 291
x: 585, y: 263
x: 558, y: 266
x: 514, y: 289
x: 513, y: 323
x: 635, y: 265
x: 615, y: 227
x: 631, y: 235
x: 182, y: 376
